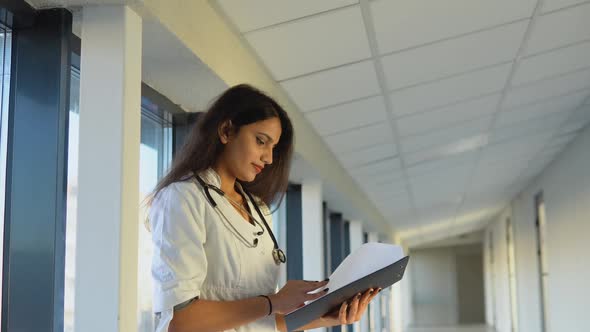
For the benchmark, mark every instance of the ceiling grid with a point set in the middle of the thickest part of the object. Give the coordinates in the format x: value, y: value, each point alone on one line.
x: 440, y: 123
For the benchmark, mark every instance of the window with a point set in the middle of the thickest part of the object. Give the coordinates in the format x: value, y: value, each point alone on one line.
x: 154, y: 159
x: 155, y: 155
x: 72, y: 200
x: 5, y: 51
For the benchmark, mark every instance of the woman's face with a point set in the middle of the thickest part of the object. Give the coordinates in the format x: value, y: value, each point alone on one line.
x: 249, y: 150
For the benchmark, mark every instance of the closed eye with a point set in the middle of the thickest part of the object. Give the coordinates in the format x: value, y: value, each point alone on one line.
x: 259, y: 141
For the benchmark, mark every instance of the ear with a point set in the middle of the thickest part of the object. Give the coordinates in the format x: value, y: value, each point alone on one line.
x: 225, y: 131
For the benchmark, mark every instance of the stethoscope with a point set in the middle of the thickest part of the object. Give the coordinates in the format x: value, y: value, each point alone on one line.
x: 277, y: 254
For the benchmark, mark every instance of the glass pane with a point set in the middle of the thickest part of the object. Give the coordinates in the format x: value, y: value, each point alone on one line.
x: 5, y: 50
x: 72, y: 200
x: 153, y: 161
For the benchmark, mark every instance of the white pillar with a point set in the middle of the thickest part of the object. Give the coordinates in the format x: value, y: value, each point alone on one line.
x: 108, y: 201
x: 356, y: 235
x: 375, y: 306
x: 356, y: 240
x: 313, y: 232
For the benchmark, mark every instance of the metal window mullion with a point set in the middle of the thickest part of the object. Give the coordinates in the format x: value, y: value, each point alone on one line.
x: 36, y: 178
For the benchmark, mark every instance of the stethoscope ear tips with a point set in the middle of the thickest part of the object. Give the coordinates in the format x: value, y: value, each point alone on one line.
x: 255, y: 242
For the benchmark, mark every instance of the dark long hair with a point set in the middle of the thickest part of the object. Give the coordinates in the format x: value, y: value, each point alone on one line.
x: 242, y: 105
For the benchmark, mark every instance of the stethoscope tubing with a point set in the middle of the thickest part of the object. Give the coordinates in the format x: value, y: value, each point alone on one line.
x: 206, y: 188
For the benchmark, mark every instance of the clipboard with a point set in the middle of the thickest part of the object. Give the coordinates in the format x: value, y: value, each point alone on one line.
x: 383, y: 278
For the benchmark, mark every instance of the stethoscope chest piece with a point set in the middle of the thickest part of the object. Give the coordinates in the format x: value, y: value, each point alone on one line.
x: 279, y: 256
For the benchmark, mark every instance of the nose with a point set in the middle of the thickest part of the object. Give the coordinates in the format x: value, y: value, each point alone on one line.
x: 267, y: 156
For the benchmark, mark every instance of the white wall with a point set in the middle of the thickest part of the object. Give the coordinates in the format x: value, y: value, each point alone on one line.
x: 470, y: 292
x: 434, y: 287
x: 497, y: 278
x: 566, y: 189
x: 438, y: 281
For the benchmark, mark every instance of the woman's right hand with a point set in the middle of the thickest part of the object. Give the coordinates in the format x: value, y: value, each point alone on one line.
x: 294, y: 294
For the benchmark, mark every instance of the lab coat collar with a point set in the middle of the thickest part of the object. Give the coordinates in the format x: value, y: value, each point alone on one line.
x: 211, y: 177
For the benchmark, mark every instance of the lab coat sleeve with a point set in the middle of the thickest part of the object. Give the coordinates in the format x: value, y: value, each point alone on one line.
x: 179, y: 263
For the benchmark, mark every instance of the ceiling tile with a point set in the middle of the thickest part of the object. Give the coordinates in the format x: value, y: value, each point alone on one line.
x: 499, y: 181
x: 446, y: 136
x: 390, y: 193
x: 571, y: 127
x: 548, y: 88
x: 560, y: 61
x: 483, y: 201
x: 398, y: 185
x: 559, y: 104
x: 397, y: 25
x: 548, y: 123
x: 446, y: 187
x: 448, y: 57
x: 360, y: 138
x: 369, y: 154
x: 454, y: 148
x: 333, y: 86
x: 561, y: 141
x: 550, y: 5
x: 312, y: 44
x: 515, y: 149
x: 434, y: 165
x: 376, y: 180
x: 355, y: 114
x: 559, y: 29
x: 449, y: 176
x: 391, y: 203
x: 437, y: 213
x: 499, y: 168
x: 377, y: 167
x: 451, y: 115
x: 581, y: 116
x: 431, y: 201
x: 449, y: 91
x: 247, y: 15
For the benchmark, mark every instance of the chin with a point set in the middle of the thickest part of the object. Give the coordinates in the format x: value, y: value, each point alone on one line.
x: 247, y: 178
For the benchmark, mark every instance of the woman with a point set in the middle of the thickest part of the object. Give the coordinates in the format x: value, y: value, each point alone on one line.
x: 214, y: 268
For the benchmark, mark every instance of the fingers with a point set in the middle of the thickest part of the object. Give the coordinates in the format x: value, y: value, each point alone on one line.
x: 353, y: 309
x: 311, y: 297
x: 366, y: 297
x: 313, y: 285
x: 342, y: 314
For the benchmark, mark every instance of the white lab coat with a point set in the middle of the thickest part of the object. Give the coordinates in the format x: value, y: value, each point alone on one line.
x: 196, y: 252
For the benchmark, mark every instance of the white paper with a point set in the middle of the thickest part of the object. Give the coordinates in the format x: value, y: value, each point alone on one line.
x: 368, y: 258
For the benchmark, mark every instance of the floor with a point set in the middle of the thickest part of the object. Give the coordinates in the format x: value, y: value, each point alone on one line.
x: 465, y: 328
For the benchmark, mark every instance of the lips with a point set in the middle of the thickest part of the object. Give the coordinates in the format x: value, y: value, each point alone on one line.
x: 257, y: 168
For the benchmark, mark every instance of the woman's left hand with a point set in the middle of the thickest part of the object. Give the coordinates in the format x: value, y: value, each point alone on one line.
x: 350, y: 311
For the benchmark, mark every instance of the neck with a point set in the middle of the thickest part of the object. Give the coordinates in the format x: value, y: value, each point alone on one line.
x: 228, y: 181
